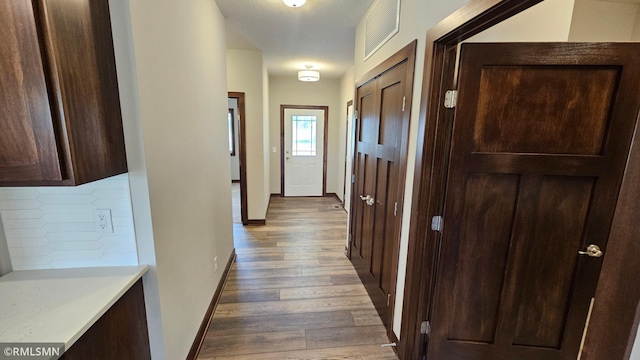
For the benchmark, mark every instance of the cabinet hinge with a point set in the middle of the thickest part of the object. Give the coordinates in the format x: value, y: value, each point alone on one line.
x: 450, y: 99
x: 404, y: 101
x: 425, y: 327
x: 353, y: 178
x: 395, y: 209
x: 436, y: 223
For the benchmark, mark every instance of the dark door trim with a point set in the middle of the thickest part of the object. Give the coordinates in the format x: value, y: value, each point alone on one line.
x: 242, y: 158
x: 612, y: 328
x: 325, y: 142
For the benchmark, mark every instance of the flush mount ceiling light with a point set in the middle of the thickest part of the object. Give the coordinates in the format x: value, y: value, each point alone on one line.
x: 308, y: 75
x: 294, y: 3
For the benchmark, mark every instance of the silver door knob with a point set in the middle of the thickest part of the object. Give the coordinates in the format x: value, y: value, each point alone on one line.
x: 287, y: 158
x: 592, y: 251
x: 367, y: 199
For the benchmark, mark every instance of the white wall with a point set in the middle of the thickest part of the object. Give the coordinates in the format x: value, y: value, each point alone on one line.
x: 347, y: 89
x: 266, y: 143
x: 595, y: 20
x: 235, y: 159
x: 567, y: 20
x: 635, y: 352
x: 290, y: 91
x: 5, y: 259
x: 549, y: 20
x: 416, y: 17
x: 635, y: 36
x: 245, y: 73
x: 181, y: 136
x: 53, y: 227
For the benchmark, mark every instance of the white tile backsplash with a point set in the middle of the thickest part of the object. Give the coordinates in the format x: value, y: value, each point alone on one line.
x: 53, y: 227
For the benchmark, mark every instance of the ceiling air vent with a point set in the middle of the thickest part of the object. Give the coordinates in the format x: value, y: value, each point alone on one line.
x: 380, y: 25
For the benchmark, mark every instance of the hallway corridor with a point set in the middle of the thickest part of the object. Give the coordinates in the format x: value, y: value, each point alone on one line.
x: 292, y: 293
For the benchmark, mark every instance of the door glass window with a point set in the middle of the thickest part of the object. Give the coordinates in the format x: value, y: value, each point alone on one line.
x: 303, y: 135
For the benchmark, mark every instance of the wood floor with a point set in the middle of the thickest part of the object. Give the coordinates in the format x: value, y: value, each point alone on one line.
x: 292, y: 293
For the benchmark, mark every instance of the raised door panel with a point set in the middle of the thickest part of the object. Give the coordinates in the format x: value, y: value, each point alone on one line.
x: 482, y: 256
x: 547, y: 285
x: 28, y: 148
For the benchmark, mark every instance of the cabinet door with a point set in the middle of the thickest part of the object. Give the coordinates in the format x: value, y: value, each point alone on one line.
x: 28, y: 150
x: 79, y: 39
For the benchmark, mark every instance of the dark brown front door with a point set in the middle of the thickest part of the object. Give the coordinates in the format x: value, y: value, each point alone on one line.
x: 381, y: 131
x: 539, y: 144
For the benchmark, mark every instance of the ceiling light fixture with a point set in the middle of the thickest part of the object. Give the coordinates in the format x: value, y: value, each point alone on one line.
x: 294, y: 3
x: 308, y: 75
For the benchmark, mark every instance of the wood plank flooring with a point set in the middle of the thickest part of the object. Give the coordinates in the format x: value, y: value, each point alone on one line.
x: 292, y: 293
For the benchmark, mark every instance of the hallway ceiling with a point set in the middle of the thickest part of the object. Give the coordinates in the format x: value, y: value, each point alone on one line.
x: 320, y: 33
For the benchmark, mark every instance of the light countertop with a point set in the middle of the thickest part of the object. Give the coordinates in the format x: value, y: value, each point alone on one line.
x: 59, y: 305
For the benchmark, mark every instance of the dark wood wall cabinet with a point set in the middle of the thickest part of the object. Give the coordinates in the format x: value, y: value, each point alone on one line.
x: 60, y: 118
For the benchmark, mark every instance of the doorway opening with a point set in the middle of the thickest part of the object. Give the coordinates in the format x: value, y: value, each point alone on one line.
x: 238, y: 153
x: 304, y: 131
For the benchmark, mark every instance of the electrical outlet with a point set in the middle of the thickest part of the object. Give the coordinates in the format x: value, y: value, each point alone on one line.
x: 102, y: 219
x: 215, y: 264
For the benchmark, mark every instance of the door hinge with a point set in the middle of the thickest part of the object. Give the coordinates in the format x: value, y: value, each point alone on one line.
x: 450, y: 98
x: 404, y: 101
x: 436, y: 223
x: 425, y: 327
x: 395, y: 209
x: 355, y: 114
x: 353, y: 179
x: 388, y: 299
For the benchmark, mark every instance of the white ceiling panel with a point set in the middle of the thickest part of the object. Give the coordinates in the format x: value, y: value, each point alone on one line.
x: 320, y: 33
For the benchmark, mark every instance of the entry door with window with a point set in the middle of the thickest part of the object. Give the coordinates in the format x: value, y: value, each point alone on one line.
x: 303, y: 152
x: 540, y: 139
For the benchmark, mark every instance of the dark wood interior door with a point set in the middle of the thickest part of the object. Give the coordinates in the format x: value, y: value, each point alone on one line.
x: 381, y: 131
x: 540, y: 140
